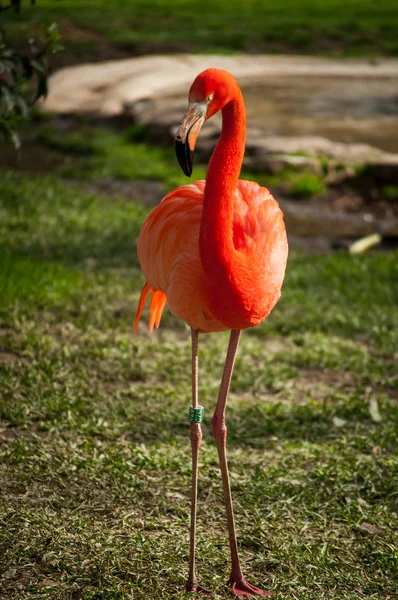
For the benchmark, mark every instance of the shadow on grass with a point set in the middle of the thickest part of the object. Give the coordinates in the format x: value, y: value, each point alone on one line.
x: 246, y: 430
x: 258, y: 427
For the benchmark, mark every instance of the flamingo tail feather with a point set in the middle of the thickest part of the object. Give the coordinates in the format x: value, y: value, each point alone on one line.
x: 158, y: 302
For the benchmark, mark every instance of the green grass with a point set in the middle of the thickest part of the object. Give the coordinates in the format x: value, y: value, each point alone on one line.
x: 92, y: 154
x: 390, y: 192
x: 292, y: 182
x: 356, y: 27
x: 94, y: 452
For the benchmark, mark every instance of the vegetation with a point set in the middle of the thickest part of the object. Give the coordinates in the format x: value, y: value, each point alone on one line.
x: 23, y: 74
x: 95, y: 459
x: 390, y: 192
x: 93, y: 154
x: 99, y: 29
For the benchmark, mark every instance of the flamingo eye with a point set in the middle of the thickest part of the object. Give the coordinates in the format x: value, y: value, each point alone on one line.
x: 209, y: 98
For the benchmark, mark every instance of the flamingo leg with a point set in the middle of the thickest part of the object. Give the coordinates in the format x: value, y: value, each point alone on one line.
x: 196, y: 438
x: 236, y: 581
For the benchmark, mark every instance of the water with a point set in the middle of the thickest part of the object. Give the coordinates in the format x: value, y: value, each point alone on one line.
x: 355, y: 110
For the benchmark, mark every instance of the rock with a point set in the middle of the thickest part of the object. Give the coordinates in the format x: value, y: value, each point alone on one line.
x: 315, y: 146
x: 276, y: 163
x: 104, y: 88
x: 306, y: 220
x: 317, y: 244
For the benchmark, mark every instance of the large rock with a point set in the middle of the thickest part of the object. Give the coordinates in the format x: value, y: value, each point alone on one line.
x: 105, y: 88
x: 274, y: 164
x: 308, y: 220
x: 318, y: 146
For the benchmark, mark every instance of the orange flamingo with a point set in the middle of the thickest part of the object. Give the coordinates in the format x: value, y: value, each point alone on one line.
x: 216, y: 252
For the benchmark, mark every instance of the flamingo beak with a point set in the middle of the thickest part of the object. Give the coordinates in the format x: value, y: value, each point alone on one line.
x: 187, y: 134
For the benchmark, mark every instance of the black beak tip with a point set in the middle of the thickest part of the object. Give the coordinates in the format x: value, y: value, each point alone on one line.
x: 184, y: 157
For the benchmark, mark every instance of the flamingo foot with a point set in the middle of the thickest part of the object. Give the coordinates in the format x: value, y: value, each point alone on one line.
x: 192, y: 586
x: 243, y: 589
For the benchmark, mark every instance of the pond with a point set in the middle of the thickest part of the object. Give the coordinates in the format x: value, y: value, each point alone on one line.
x: 351, y: 110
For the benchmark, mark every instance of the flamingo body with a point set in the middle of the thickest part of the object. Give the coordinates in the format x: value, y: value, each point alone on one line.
x: 216, y: 252
x: 168, y: 250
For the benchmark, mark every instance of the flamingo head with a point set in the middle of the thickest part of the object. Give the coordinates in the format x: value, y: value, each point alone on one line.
x: 209, y: 93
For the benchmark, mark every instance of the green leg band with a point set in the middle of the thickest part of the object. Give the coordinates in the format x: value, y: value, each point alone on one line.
x: 195, y: 415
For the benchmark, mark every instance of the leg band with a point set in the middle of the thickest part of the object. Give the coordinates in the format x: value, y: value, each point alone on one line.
x: 195, y: 415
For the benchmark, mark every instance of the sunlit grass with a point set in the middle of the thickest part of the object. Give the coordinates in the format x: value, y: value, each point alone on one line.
x: 335, y: 27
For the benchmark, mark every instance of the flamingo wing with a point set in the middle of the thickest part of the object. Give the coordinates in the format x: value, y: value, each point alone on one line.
x: 168, y: 250
x: 260, y: 230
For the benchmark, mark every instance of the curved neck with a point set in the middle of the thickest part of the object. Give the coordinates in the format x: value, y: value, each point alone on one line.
x: 216, y: 236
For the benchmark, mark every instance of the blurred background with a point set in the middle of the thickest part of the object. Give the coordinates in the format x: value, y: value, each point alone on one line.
x: 339, y: 114
x: 94, y: 454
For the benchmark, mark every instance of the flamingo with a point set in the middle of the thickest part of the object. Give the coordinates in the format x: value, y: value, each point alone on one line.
x: 216, y: 252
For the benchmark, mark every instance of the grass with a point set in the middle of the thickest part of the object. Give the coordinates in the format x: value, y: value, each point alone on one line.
x: 390, y: 192
x: 99, y: 28
x: 294, y: 183
x: 94, y: 454
x: 91, y: 154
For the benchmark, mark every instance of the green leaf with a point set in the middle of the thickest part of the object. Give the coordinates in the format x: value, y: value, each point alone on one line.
x: 42, y: 75
x: 38, y: 66
x: 22, y: 106
x: 7, y: 98
x: 18, y: 69
x: 6, y: 65
x: 10, y: 134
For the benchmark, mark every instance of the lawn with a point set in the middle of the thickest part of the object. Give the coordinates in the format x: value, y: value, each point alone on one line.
x: 94, y: 448
x: 100, y: 29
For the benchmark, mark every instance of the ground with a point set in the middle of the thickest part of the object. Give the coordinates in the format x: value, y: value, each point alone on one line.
x: 94, y: 448
x: 95, y: 458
